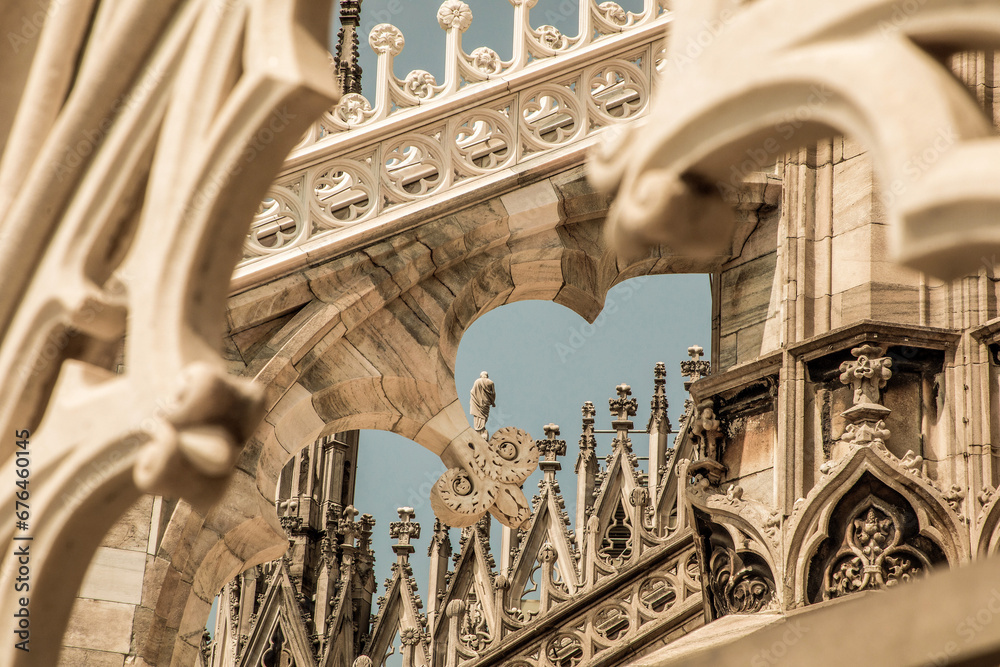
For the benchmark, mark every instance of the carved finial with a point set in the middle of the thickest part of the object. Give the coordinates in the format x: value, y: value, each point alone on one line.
x: 550, y: 448
x: 867, y: 374
x: 660, y: 373
x: 695, y: 369
x: 347, y: 526
x: 454, y: 14
x: 346, y: 61
x: 589, y: 412
x: 404, y: 530
x: 623, y: 407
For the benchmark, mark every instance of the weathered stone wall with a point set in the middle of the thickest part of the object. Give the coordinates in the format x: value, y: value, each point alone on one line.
x: 111, y: 611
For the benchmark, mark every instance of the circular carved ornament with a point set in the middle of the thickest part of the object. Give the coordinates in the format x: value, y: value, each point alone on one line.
x: 513, y: 455
x: 460, y: 500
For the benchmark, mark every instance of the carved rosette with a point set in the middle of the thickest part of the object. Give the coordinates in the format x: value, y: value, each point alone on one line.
x: 454, y: 14
x: 386, y: 38
x: 420, y: 83
x: 354, y: 109
x: 486, y: 60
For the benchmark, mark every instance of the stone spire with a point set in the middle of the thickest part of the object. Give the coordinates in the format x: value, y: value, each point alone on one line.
x: 659, y: 426
x: 659, y: 404
x: 439, y: 551
x: 586, y: 470
x: 346, y: 61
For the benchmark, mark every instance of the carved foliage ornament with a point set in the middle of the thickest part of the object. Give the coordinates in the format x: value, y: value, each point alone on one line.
x: 873, y: 554
x: 486, y: 60
x: 738, y: 586
x: 386, y: 38
x: 867, y: 374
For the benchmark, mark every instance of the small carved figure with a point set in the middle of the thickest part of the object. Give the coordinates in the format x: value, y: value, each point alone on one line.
x: 482, y: 398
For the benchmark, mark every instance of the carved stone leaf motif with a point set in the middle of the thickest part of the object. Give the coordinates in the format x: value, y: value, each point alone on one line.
x: 613, y: 12
x: 474, y: 631
x: 354, y: 109
x: 551, y: 37
x: 420, y: 83
x: 873, y: 554
x: 486, y: 60
x: 386, y: 38
x: 737, y: 587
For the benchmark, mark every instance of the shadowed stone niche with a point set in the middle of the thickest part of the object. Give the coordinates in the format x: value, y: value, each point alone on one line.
x: 739, y: 581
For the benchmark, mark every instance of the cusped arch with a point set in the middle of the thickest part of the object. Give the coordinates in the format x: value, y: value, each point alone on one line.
x: 812, y: 519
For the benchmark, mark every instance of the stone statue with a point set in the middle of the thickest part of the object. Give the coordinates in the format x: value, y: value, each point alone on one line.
x: 482, y: 398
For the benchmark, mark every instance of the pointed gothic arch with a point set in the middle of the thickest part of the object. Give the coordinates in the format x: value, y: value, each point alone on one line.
x: 817, y: 515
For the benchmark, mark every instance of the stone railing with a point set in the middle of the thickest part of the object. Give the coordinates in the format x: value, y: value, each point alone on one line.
x: 421, y: 138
